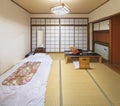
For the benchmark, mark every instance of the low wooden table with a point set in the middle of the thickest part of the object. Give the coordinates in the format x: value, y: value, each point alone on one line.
x: 88, y: 55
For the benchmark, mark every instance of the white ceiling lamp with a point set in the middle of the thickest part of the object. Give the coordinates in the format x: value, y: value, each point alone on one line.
x: 60, y: 9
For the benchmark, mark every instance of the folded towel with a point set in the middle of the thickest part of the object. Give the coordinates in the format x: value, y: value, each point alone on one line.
x: 76, y: 64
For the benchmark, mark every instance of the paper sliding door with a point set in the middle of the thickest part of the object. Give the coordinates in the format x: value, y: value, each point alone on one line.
x: 38, y: 32
x: 81, y: 37
x: 67, y: 37
x: 52, y: 38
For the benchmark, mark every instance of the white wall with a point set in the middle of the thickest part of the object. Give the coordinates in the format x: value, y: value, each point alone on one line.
x: 110, y: 8
x: 14, y: 34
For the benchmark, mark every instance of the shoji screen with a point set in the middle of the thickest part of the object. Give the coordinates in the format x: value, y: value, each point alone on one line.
x: 52, y: 38
x: 52, y: 35
x: 81, y: 37
x: 67, y: 34
x: 67, y: 37
x: 36, y: 25
x: 34, y: 36
x: 60, y: 33
x: 37, y: 21
x: 40, y: 38
x: 81, y: 33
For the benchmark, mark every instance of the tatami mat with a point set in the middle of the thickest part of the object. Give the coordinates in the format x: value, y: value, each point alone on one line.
x: 108, y: 80
x: 57, y: 56
x: 98, y: 86
x: 78, y: 89
x: 53, y: 91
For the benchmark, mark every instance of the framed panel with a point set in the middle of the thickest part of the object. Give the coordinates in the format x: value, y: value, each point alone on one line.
x: 67, y: 37
x: 34, y: 36
x: 52, y: 35
x: 60, y: 33
x: 52, y: 21
x: 81, y: 37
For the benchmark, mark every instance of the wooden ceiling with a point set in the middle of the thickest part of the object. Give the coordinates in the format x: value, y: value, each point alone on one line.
x: 44, y: 6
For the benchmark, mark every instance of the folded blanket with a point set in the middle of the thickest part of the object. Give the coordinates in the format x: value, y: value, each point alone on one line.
x: 22, y: 75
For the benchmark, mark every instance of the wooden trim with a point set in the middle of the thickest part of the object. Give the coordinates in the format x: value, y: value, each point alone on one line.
x: 110, y: 42
x: 93, y: 37
x: 102, y: 31
x: 69, y: 13
x: 31, y: 34
x: 99, y: 6
x: 74, y: 37
x: 20, y: 6
x: 102, y: 43
x: 59, y: 25
x: 59, y: 18
x: 45, y: 36
x: 88, y: 38
x: 59, y: 38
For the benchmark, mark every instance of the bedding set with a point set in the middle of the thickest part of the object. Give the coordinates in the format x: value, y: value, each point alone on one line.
x: 25, y: 83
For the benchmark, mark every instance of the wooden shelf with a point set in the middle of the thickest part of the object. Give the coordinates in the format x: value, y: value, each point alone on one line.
x: 102, y: 36
x: 103, y: 43
x: 101, y: 31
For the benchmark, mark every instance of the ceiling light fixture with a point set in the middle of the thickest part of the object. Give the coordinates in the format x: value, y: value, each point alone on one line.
x: 60, y: 9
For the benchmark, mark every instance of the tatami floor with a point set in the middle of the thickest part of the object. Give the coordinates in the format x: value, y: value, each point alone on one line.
x: 98, y: 86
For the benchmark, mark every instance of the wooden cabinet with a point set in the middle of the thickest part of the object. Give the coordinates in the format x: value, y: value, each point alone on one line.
x: 101, y: 26
x: 101, y: 32
x: 40, y: 50
x: 101, y: 38
x: 96, y: 26
x: 104, y: 25
x: 108, y: 34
